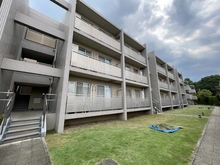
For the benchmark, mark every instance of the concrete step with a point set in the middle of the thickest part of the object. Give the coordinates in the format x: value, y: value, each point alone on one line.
x: 21, y: 137
x: 26, y: 127
x: 21, y: 132
x: 24, y: 122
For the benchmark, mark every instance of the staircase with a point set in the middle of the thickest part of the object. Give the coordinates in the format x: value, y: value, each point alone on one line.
x: 22, y: 129
x: 21, y: 103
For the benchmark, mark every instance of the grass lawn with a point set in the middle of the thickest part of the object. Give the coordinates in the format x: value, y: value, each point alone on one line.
x: 192, y: 110
x: 129, y: 142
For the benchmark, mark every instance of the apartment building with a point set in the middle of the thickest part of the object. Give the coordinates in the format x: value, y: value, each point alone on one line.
x: 164, y: 83
x: 80, y: 70
x: 190, y: 93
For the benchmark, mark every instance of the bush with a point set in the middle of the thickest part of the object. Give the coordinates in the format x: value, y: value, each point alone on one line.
x: 211, y: 100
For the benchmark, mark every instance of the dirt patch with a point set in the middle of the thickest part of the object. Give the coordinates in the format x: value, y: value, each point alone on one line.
x: 108, y: 162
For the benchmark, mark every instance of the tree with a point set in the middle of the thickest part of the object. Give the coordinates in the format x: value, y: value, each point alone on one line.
x: 190, y: 82
x: 209, y: 83
x: 203, y: 96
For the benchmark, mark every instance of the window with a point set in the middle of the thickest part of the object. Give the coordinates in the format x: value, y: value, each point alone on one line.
x: 127, y: 68
x: 71, y: 88
x: 83, y: 89
x: 105, y: 60
x: 135, y: 70
x: 104, y: 91
x: 84, y: 52
x: 137, y: 94
x: 128, y: 92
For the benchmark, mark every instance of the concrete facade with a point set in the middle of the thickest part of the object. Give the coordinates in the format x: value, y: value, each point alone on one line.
x: 95, y: 69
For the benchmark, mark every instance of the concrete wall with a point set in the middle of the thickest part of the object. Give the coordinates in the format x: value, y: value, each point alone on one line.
x: 10, y: 38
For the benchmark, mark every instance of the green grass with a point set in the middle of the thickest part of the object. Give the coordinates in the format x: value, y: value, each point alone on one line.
x: 192, y: 110
x: 129, y: 142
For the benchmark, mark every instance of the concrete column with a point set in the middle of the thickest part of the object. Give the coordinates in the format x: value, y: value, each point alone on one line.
x: 148, y: 91
x: 123, y: 84
x: 178, y: 87
x: 168, y: 81
x: 64, y: 54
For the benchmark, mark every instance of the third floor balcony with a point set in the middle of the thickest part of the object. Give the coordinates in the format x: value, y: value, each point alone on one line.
x: 161, y: 69
x: 95, y: 32
x: 133, y: 54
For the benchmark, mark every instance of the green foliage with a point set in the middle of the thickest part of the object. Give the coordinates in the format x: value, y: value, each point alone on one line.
x: 204, y: 93
x: 190, y: 82
x: 208, y: 83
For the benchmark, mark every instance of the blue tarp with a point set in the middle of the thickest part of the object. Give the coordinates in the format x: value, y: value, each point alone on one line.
x: 166, y: 130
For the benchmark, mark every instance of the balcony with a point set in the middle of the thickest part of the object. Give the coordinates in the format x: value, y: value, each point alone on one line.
x: 194, y: 98
x: 96, y: 33
x: 171, y: 75
x: 87, y: 63
x: 183, y: 90
x: 163, y: 85
x: 186, y: 87
x: 165, y: 102
x: 134, y: 54
x: 161, y: 69
x: 135, y: 77
x: 192, y: 91
x: 172, y: 87
x: 184, y: 101
x: 180, y: 80
x: 138, y: 102
x: 92, y: 104
x: 40, y: 38
x: 175, y: 102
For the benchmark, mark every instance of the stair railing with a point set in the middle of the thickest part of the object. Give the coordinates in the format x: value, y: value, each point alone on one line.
x: 9, y: 102
x: 156, y: 106
x: 47, y: 99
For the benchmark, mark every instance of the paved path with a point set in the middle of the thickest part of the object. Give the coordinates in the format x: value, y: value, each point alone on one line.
x: 208, y: 150
x: 28, y: 152
x: 184, y: 115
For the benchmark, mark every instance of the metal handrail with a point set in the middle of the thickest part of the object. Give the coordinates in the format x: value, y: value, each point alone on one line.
x: 46, y: 103
x: 7, y: 107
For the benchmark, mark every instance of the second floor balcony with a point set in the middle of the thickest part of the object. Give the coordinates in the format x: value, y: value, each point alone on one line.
x: 134, y: 54
x: 96, y: 33
x: 135, y: 77
x: 194, y: 98
x: 94, y: 65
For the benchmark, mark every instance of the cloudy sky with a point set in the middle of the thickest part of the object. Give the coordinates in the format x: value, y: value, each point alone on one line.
x: 184, y: 33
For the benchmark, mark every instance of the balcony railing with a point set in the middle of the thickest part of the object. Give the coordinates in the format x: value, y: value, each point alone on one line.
x: 166, y: 102
x: 189, y: 97
x: 87, y: 63
x: 180, y: 80
x: 96, y: 33
x: 184, y: 101
x: 193, y: 91
x: 138, y: 102
x: 134, y: 54
x: 194, y: 98
x: 172, y: 87
x: 40, y: 38
x: 91, y: 104
x: 186, y: 87
x: 163, y: 85
x: 175, y: 102
x: 135, y: 77
x: 171, y: 75
x: 161, y: 69
x: 183, y: 90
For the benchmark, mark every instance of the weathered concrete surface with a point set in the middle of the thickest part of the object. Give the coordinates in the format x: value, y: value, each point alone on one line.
x: 28, y: 152
x: 208, y: 151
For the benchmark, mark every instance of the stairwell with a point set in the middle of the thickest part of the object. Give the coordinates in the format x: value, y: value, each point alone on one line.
x: 21, y: 103
x: 22, y: 129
